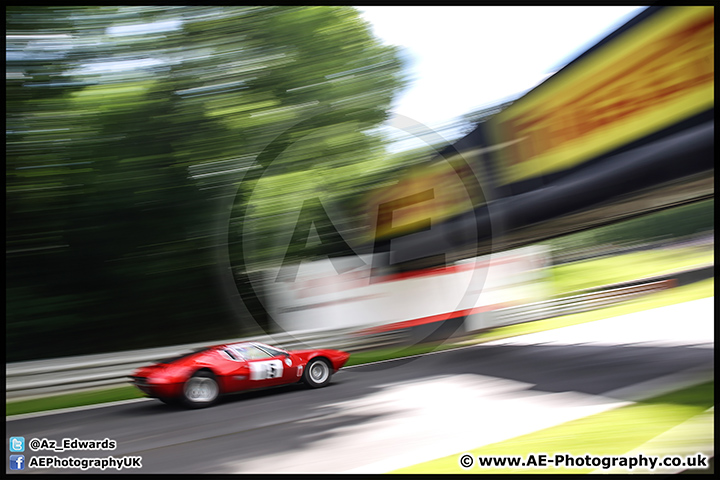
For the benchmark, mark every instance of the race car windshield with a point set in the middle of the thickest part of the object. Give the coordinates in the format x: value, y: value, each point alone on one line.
x: 249, y: 351
x: 273, y: 352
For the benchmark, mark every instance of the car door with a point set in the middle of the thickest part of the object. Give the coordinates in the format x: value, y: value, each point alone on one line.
x: 292, y: 368
x: 265, y: 370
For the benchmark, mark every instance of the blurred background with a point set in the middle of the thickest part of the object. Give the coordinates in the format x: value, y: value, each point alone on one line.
x: 181, y: 176
x: 158, y: 157
x: 129, y: 130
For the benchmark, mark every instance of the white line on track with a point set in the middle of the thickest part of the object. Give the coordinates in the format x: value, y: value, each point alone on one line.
x: 74, y: 409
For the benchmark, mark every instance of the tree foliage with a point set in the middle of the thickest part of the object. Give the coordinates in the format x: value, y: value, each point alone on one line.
x: 136, y: 134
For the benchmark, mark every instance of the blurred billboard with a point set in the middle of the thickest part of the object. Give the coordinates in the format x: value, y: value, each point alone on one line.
x: 656, y: 74
x: 434, y: 191
x: 624, y: 129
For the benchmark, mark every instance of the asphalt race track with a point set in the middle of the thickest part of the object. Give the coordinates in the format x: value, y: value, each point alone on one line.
x: 379, y: 417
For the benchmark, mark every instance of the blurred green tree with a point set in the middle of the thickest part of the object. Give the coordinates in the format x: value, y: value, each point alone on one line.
x: 132, y: 132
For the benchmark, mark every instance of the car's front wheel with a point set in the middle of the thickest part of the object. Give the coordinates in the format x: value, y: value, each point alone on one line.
x: 201, y: 390
x: 317, y: 373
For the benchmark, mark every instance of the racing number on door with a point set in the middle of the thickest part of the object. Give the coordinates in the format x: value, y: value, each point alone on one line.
x: 266, y: 369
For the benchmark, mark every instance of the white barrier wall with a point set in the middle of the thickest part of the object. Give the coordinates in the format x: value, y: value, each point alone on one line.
x: 320, y: 298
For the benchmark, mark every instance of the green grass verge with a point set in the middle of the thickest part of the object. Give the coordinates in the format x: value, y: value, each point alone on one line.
x: 72, y: 400
x: 370, y: 356
x: 668, y: 297
x: 621, y: 268
x: 614, y: 432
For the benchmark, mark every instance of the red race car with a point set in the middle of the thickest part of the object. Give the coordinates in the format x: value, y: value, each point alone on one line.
x: 198, y: 379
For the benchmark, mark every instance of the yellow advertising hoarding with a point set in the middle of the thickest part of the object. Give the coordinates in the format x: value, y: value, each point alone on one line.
x: 654, y: 75
x: 424, y: 195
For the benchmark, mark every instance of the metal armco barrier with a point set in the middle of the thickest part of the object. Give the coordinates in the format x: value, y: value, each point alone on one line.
x: 72, y: 374
x: 576, y: 303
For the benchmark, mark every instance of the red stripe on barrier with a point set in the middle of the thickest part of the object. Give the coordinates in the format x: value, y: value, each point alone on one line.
x: 445, y: 270
x: 431, y: 319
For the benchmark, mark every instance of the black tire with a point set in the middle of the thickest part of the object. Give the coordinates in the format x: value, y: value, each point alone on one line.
x: 201, y: 390
x: 317, y: 373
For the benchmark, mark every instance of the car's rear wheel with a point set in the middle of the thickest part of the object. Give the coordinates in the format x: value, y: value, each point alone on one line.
x: 201, y: 390
x: 317, y: 373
